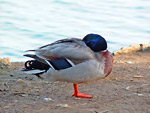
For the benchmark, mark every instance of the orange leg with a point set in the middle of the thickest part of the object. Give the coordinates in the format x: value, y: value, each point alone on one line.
x: 80, y: 95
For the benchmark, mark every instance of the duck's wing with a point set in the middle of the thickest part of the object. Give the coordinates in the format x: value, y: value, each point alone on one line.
x: 73, y: 49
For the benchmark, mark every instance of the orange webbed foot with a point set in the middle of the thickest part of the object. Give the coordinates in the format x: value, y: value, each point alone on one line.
x: 82, y: 95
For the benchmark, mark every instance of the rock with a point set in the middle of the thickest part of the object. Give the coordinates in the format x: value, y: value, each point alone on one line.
x: 20, y: 87
x: 20, y: 81
x: 4, y: 66
x: 132, y: 48
x: 5, y: 61
x: 146, y: 49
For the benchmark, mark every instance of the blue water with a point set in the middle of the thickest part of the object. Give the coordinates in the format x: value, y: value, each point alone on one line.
x: 28, y: 24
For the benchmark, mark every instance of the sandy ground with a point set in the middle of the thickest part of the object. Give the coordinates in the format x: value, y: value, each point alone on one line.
x: 126, y: 90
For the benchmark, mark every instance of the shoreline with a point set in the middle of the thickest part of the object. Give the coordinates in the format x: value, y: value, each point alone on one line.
x: 124, y: 50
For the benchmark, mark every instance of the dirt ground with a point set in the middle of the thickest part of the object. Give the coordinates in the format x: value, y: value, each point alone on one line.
x: 126, y: 90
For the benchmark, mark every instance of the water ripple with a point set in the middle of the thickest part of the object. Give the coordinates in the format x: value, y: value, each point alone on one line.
x: 27, y: 24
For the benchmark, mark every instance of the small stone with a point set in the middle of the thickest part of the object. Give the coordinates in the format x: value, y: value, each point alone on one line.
x: 77, y: 98
x: 62, y: 105
x: 23, y: 95
x: 6, y: 107
x: 20, y: 81
x: 131, y: 79
x: 138, y: 76
x: 130, y: 62
x: 127, y: 88
x: 11, y: 75
x: 140, y: 95
x: 47, y: 99
x: 20, y: 86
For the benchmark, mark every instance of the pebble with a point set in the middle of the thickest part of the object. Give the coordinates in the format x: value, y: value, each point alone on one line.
x: 140, y: 94
x: 62, y: 105
x: 138, y: 76
x: 127, y: 88
x: 20, y: 81
x: 11, y: 75
x: 23, y: 95
x: 47, y: 99
x: 130, y: 62
x: 7, y: 107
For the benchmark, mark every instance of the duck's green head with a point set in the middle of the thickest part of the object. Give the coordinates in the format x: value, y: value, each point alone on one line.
x: 96, y: 42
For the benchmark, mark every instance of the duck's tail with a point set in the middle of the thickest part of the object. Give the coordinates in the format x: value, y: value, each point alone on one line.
x: 40, y: 65
x: 36, y: 67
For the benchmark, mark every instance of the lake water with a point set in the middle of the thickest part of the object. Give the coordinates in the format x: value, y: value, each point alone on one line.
x: 28, y: 24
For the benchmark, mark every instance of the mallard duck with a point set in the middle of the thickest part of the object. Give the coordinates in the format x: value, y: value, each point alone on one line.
x: 72, y: 60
